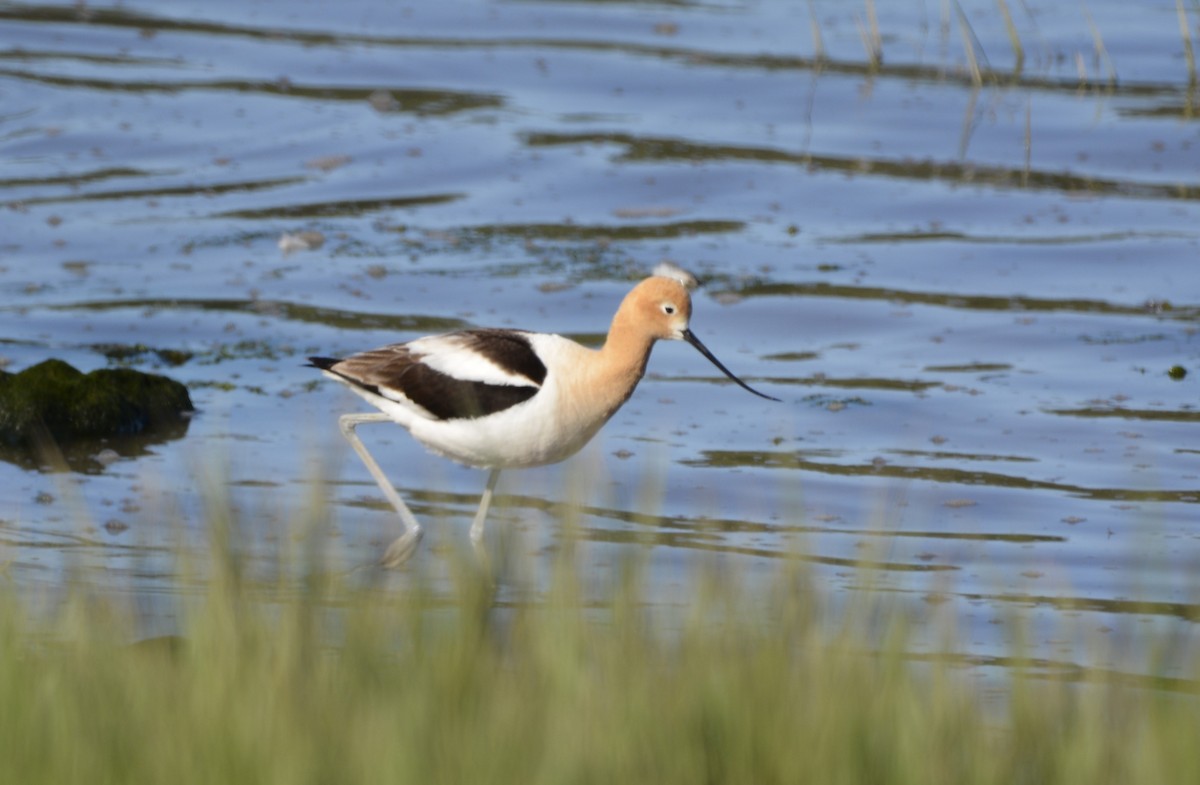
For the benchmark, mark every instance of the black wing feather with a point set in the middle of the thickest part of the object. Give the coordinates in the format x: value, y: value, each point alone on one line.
x: 443, y: 396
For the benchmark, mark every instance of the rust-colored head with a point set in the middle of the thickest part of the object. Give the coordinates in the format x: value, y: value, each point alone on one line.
x: 660, y: 308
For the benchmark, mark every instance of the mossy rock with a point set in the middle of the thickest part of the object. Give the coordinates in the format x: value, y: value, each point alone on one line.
x: 53, y: 399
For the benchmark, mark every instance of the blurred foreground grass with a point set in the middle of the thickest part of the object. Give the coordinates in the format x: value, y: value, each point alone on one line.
x: 328, y: 680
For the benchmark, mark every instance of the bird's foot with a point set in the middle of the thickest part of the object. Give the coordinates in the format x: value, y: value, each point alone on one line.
x: 401, y: 549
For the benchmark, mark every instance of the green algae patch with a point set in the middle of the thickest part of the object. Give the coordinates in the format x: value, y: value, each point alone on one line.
x: 53, y: 399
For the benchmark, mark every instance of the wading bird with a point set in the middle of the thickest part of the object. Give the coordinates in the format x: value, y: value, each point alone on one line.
x: 508, y: 399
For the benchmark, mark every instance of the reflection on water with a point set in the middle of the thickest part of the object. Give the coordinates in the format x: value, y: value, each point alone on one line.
x: 969, y: 288
x: 1189, y: 415
x: 93, y: 456
x: 640, y: 150
x: 347, y: 207
x: 940, y: 474
x: 974, y: 302
x: 330, y: 317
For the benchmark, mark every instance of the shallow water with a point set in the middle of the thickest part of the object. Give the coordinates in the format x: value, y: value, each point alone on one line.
x: 967, y: 295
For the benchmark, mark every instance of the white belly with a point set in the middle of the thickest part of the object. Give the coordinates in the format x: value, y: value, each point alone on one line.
x: 564, y: 414
x: 532, y: 433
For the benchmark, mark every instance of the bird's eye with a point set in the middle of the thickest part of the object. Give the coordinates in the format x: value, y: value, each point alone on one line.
x: 668, y: 309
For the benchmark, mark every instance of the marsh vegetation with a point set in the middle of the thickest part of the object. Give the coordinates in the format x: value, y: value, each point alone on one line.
x: 331, y: 676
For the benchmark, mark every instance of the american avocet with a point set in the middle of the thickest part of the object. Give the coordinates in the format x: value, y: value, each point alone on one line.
x: 506, y: 399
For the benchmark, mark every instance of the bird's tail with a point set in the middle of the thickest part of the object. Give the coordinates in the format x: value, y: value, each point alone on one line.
x: 324, y: 363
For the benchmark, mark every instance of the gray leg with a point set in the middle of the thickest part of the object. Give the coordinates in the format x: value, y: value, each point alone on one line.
x: 484, y: 503
x: 406, y: 544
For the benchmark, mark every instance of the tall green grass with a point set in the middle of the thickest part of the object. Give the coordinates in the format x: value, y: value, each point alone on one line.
x: 329, y: 679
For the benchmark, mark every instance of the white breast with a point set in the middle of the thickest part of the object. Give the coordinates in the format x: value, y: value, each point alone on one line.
x: 552, y: 425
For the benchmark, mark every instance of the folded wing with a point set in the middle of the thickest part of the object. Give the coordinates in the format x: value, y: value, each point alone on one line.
x: 463, y: 375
